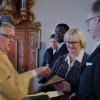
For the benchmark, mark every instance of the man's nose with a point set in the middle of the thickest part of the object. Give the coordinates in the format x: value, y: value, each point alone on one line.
x: 12, y: 40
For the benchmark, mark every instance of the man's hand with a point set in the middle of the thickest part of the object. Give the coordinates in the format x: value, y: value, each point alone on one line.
x: 43, y: 71
x: 63, y: 86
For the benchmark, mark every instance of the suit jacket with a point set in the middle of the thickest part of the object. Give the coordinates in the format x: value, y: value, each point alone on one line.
x: 48, y: 55
x: 12, y: 85
x: 62, y: 51
x: 60, y: 68
x: 89, y: 88
x: 50, y: 58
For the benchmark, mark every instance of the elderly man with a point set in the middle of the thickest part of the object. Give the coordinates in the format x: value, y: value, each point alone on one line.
x: 13, y: 85
x: 89, y: 88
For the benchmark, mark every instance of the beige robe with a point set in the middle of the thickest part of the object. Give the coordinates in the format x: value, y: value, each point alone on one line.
x: 12, y: 85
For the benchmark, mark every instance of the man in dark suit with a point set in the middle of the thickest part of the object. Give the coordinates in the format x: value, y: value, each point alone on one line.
x: 60, y: 31
x: 49, y: 53
x: 89, y: 88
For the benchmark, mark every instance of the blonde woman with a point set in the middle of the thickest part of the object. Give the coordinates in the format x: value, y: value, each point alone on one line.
x: 69, y: 66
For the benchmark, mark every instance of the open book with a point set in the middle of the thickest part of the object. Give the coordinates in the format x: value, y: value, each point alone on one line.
x: 43, y: 95
x: 55, y: 79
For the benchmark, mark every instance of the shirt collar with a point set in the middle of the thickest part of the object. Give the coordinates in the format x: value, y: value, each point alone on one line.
x: 60, y: 44
x: 79, y: 58
x: 98, y: 43
x: 67, y: 59
x: 54, y: 50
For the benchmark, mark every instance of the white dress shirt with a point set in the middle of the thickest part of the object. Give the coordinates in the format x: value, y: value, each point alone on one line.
x: 55, y: 50
x: 78, y: 58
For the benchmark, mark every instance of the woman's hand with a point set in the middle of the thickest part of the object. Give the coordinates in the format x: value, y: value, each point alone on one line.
x: 43, y: 71
x: 63, y: 86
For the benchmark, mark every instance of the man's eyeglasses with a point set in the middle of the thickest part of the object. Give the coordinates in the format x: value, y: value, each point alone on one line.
x: 9, y: 36
x: 88, y: 20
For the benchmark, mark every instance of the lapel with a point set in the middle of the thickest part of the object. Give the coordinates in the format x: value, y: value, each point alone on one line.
x: 51, y: 52
x: 94, y: 53
x: 90, y: 57
x: 60, y: 49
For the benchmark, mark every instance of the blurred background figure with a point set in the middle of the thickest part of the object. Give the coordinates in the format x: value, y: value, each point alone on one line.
x: 50, y: 52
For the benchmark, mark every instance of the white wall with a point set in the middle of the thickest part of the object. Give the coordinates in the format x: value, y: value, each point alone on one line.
x: 52, y: 12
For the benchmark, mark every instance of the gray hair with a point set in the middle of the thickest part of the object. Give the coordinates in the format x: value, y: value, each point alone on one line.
x: 76, y: 33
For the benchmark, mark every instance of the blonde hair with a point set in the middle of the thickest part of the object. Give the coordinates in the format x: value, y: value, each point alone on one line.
x: 76, y: 33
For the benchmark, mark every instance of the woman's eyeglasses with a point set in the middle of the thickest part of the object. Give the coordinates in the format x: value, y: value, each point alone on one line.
x: 72, y: 42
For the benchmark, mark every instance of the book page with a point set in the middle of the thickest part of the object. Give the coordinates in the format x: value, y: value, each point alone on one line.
x: 52, y: 94
x: 43, y: 95
x: 55, y: 79
x: 37, y: 96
